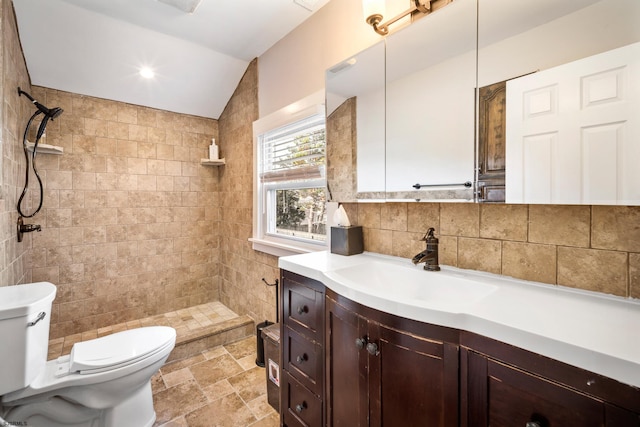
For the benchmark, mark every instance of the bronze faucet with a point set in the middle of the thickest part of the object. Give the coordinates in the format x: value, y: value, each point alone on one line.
x: 430, y: 255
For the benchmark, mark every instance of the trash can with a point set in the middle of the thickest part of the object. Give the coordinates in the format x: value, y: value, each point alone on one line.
x: 271, y: 336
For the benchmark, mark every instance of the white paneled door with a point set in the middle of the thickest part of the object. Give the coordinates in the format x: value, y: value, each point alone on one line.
x: 573, y: 132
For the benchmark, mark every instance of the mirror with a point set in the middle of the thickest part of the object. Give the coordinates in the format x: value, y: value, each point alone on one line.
x: 556, y: 101
x: 424, y: 130
x: 355, y: 103
x: 430, y: 106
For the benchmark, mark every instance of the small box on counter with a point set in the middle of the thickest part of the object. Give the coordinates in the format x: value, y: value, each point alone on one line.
x: 347, y: 240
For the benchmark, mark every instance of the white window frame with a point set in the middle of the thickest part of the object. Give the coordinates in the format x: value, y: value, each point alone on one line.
x: 262, y: 240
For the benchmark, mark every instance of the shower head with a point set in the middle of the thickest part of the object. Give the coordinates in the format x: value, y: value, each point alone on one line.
x: 49, y: 113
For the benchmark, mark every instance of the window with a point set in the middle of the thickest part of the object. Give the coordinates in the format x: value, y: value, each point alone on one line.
x: 290, y: 196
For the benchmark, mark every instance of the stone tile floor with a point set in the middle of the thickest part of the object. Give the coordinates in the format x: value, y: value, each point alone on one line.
x: 221, y: 387
x: 218, y: 387
x: 184, y: 321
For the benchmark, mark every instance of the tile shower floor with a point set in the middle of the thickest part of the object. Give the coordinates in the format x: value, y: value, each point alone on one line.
x: 218, y: 387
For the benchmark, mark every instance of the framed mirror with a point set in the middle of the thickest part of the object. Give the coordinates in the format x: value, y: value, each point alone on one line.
x: 559, y: 107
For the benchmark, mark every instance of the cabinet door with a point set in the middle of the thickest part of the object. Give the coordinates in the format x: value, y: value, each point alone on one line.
x: 504, y: 396
x: 413, y: 380
x: 346, y: 369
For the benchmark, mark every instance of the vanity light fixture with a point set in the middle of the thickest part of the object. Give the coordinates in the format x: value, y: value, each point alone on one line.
x: 374, y: 18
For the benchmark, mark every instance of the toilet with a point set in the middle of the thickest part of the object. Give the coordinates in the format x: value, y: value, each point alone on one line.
x: 104, y: 382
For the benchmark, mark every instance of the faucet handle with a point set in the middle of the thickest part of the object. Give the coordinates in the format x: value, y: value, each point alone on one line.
x: 428, y: 235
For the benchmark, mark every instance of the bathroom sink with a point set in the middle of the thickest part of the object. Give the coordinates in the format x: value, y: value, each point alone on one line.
x: 411, y: 284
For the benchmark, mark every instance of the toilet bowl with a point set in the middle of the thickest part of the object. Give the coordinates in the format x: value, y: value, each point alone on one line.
x: 105, y: 382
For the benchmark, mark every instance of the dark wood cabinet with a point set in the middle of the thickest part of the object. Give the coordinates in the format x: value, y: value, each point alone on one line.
x: 384, y: 371
x: 347, y: 365
x: 503, y: 386
x: 492, y: 142
x: 302, y: 346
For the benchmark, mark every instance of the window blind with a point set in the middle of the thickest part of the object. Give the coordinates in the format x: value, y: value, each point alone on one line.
x: 294, y: 152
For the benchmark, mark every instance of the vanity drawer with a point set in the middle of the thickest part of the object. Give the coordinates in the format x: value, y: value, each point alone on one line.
x: 303, y: 309
x: 301, y: 407
x: 303, y: 360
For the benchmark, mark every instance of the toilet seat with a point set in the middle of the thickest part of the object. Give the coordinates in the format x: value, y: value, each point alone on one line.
x: 119, y: 349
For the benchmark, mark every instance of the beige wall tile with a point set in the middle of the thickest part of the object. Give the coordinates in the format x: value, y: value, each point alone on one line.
x: 616, y: 228
x: 109, y: 200
x: 422, y: 216
x: 504, y: 222
x: 369, y: 215
x: 634, y: 275
x: 560, y: 225
x: 594, y: 270
x: 406, y: 244
x: 376, y: 240
x: 480, y: 254
x: 393, y: 216
x: 529, y: 261
x: 460, y: 219
x: 448, y: 250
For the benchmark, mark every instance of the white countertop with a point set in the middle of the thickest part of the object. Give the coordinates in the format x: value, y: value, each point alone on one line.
x: 593, y: 331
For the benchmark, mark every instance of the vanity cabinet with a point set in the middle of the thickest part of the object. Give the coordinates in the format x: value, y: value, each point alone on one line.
x: 348, y: 365
x: 502, y: 386
x: 302, y: 346
x: 383, y: 370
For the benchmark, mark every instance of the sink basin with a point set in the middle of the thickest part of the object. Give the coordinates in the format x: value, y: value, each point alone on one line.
x: 412, y: 284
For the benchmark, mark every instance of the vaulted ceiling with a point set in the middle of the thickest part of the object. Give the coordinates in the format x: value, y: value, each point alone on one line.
x: 97, y: 47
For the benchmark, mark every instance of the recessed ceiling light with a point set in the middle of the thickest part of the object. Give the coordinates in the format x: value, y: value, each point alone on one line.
x: 147, y: 72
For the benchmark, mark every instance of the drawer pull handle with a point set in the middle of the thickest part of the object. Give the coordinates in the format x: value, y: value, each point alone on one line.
x: 372, y: 348
x: 301, y: 407
x: 302, y: 358
x: 303, y: 309
x: 361, y: 343
x: 533, y: 424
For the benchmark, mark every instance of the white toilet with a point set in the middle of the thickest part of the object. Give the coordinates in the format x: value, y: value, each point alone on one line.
x: 105, y: 382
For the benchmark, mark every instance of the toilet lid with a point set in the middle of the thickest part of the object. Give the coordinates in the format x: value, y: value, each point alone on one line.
x: 120, y: 348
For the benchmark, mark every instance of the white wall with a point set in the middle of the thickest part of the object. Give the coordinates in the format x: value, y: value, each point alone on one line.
x: 295, y: 66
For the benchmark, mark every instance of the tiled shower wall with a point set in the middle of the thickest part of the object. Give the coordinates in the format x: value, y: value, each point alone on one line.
x: 130, y: 217
x: 242, y: 268
x: 14, y: 113
x: 595, y: 248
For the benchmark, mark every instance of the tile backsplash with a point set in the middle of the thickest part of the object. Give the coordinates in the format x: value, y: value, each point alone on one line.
x: 595, y: 248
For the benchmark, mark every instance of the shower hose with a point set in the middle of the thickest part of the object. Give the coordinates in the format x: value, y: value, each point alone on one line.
x: 31, y: 161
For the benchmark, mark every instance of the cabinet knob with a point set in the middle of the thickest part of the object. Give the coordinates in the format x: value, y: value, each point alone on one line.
x: 360, y: 343
x: 302, y: 358
x: 372, y: 348
x: 591, y: 382
x: 533, y: 424
x: 302, y: 309
x: 301, y: 407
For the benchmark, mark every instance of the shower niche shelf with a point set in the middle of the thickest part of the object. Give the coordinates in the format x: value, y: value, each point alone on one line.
x: 210, y: 162
x: 45, y: 148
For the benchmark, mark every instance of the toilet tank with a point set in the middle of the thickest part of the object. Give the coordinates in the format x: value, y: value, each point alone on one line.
x: 25, y: 314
